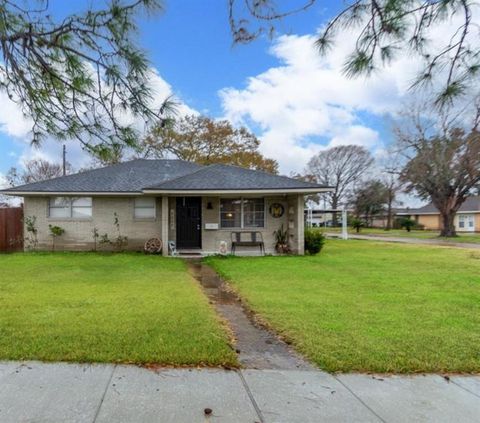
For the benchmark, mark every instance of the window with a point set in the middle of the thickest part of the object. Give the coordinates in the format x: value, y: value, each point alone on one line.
x: 242, y: 213
x: 144, y: 208
x: 466, y: 221
x: 69, y: 207
x: 253, y: 213
x: 82, y: 207
x: 231, y: 213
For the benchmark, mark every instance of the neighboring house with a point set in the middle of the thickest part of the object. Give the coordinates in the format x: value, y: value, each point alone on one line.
x: 380, y: 220
x: 321, y: 217
x: 467, y: 218
x: 196, y: 206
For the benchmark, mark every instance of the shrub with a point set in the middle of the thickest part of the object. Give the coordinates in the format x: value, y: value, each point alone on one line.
x: 95, y: 236
x: 356, y: 224
x: 121, y: 241
x: 314, y: 241
x: 55, y: 231
x: 31, y: 240
x: 407, y: 223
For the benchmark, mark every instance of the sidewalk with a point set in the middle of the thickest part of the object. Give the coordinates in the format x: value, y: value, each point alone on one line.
x: 35, y: 392
x: 406, y: 240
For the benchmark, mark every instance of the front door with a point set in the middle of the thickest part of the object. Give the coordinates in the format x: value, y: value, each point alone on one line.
x: 189, y: 222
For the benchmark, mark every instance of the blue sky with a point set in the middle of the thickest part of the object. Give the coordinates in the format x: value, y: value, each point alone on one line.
x: 296, y: 102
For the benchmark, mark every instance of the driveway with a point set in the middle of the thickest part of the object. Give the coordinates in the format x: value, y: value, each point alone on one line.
x: 406, y: 240
x: 40, y: 392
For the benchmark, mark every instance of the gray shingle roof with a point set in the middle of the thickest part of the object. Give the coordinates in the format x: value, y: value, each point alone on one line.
x: 471, y: 204
x: 168, y: 175
x: 130, y: 176
x: 226, y: 177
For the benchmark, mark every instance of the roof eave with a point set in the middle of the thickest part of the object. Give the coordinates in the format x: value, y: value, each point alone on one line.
x: 168, y: 192
x: 69, y: 193
x: 237, y: 191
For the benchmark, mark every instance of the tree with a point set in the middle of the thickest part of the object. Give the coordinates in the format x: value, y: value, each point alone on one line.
x: 386, y: 28
x: 203, y: 140
x: 370, y: 200
x: 393, y: 185
x: 36, y: 170
x: 356, y: 224
x: 79, y: 77
x: 341, y: 168
x: 4, y: 200
x: 443, y: 163
x: 390, y: 168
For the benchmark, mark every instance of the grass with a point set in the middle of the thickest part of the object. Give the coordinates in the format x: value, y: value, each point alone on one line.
x: 462, y: 237
x: 369, y: 307
x: 87, y: 307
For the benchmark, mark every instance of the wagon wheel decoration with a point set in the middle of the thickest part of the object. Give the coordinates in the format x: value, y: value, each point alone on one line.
x: 153, y: 245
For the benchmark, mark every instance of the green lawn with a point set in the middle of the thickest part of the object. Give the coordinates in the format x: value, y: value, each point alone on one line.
x: 88, y: 307
x: 370, y: 306
x: 462, y: 237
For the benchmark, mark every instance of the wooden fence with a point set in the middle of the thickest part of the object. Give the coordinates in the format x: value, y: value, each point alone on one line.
x: 11, y: 229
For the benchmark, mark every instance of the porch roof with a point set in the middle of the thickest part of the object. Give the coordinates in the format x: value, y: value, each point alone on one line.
x: 226, y: 178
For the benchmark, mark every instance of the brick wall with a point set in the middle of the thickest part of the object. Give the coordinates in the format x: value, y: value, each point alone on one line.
x: 79, y: 233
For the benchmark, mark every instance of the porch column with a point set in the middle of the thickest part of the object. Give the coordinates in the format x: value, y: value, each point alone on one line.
x: 296, y: 223
x: 164, y: 225
x: 300, y: 224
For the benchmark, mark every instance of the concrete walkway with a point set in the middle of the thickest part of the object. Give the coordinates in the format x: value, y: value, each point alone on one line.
x: 39, y: 392
x: 406, y: 240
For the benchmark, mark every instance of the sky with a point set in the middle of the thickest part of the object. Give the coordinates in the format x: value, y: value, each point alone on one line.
x: 295, y: 101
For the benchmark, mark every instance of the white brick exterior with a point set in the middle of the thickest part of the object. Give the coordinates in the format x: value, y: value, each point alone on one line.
x: 79, y: 233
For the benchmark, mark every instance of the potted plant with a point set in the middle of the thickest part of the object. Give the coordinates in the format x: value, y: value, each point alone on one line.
x: 281, y: 240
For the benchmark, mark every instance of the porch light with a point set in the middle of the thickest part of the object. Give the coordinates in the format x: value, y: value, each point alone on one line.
x: 229, y: 214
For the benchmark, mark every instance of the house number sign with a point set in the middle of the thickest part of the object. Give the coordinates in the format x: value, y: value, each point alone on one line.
x: 277, y: 210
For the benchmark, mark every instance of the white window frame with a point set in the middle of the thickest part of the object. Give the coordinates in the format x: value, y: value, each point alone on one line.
x: 242, y: 220
x: 466, y: 222
x: 70, y: 208
x: 154, y: 208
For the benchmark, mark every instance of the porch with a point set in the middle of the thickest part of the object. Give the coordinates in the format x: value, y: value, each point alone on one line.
x: 203, y: 225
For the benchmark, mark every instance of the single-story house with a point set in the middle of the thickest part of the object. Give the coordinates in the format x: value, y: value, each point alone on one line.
x: 467, y: 218
x: 322, y: 217
x: 196, y: 207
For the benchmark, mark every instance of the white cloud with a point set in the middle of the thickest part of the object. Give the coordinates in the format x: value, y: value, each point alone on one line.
x: 305, y: 103
x: 12, y: 120
x: 357, y: 135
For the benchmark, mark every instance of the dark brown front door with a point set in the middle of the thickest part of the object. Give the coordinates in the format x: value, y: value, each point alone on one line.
x: 189, y: 222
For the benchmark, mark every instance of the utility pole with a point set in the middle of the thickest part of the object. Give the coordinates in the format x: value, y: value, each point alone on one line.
x: 64, y: 155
